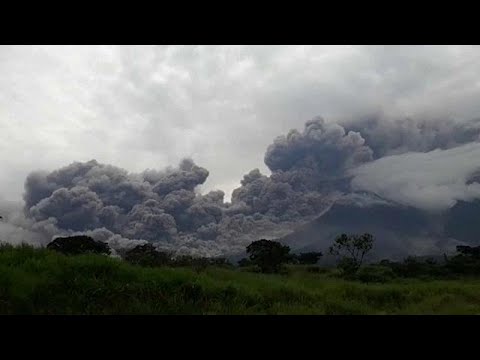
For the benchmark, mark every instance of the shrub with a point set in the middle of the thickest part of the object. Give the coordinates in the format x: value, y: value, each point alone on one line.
x: 312, y: 269
x: 244, y: 262
x: 147, y: 255
x: 75, y: 245
x: 220, y: 262
x: 463, y: 265
x: 316, y: 269
x: 375, y: 273
x: 348, y: 267
x: 309, y: 258
x: 467, y: 262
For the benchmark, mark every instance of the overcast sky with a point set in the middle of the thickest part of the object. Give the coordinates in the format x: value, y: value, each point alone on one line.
x: 149, y: 106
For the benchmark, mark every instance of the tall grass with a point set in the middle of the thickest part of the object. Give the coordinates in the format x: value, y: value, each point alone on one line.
x: 38, y: 281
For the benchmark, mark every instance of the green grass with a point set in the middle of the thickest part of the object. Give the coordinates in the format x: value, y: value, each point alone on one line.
x: 38, y: 281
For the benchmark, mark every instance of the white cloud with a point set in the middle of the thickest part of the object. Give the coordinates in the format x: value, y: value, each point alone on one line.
x: 432, y: 181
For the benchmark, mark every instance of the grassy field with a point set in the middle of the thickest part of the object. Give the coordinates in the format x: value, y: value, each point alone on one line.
x: 43, y: 282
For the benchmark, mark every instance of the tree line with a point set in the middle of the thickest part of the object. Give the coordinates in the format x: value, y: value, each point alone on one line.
x: 269, y: 256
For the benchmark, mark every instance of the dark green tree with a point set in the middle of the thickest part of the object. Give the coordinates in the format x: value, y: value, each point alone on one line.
x: 219, y: 261
x: 268, y: 255
x: 244, y: 262
x: 147, y: 255
x: 74, y: 245
x: 473, y: 252
x: 352, y: 250
x: 466, y: 262
x: 309, y: 257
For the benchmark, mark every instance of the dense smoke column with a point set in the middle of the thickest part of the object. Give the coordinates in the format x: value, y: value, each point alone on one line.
x: 87, y: 196
x: 150, y: 222
x: 326, y: 148
x: 163, y: 206
x: 77, y: 208
x: 387, y: 136
x: 307, y: 168
x: 187, y: 177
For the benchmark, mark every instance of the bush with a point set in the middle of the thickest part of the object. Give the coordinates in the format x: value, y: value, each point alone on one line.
x: 348, y: 267
x: 413, y: 267
x: 463, y: 265
x: 244, y: 262
x: 312, y: 269
x: 190, y: 261
x: 467, y: 262
x: 220, y: 262
x: 75, y: 245
x: 308, y: 258
x: 250, y: 268
x: 375, y: 273
x: 316, y: 269
x: 147, y: 255
x: 200, y: 263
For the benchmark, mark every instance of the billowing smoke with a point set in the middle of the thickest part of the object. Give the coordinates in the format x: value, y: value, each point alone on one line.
x: 324, y: 148
x: 125, y: 209
x: 429, y: 165
x: 386, y: 136
x: 308, y: 171
x: 16, y: 228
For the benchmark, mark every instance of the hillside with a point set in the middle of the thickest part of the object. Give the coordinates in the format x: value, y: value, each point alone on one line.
x: 399, y: 230
x: 42, y: 282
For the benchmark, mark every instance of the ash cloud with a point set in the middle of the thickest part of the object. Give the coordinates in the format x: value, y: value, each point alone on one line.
x: 323, y: 147
x: 124, y: 209
x: 391, y: 136
x: 16, y: 228
x: 166, y: 208
x: 426, y: 164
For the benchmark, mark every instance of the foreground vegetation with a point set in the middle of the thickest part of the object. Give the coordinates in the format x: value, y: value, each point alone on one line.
x: 41, y: 281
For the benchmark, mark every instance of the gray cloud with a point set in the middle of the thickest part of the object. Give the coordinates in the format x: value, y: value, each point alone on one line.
x: 16, y: 228
x: 389, y: 136
x: 212, y: 103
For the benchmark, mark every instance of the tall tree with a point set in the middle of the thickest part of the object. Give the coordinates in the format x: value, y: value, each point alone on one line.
x: 268, y: 255
x: 352, y: 250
